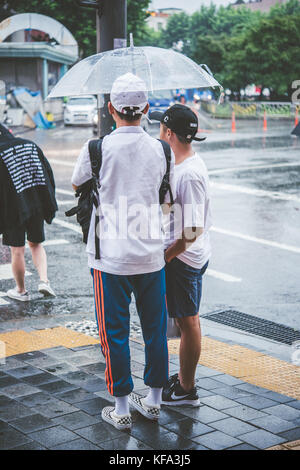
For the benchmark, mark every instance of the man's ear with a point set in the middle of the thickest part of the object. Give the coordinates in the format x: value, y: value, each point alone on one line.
x: 145, y: 111
x: 111, y: 109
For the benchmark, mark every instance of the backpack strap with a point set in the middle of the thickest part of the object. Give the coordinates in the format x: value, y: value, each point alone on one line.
x: 95, y: 152
x: 165, y: 186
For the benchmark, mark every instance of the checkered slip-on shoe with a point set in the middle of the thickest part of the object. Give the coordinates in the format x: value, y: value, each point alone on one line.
x: 150, y: 412
x: 120, y: 422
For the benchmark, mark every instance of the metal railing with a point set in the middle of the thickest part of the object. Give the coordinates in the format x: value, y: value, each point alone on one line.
x: 244, y: 109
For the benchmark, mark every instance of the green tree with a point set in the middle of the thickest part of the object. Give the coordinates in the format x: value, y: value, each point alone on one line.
x: 177, y: 30
x: 266, y: 54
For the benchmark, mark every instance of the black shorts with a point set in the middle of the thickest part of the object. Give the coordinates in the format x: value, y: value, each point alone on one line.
x: 33, y: 227
x: 184, y: 288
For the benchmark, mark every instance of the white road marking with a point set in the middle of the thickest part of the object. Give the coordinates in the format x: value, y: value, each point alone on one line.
x: 65, y: 191
x: 62, y: 203
x: 69, y: 153
x: 252, y: 167
x: 3, y: 302
x: 255, y: 192
x: 53, y: 242
x: 6, y: 272
x: 262, y: 241
x: 223, y: 276
x: 73, y: 227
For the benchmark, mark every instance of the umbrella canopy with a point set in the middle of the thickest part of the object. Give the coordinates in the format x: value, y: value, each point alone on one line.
x: 161, y: 69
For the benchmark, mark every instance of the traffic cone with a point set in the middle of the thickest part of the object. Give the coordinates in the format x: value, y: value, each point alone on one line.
x: 296, y: 117
x: 233, y: 127
x: 265, y: 127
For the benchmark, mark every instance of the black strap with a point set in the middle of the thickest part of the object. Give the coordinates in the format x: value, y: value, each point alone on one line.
x: 168, y: 155
x: 95, y: 152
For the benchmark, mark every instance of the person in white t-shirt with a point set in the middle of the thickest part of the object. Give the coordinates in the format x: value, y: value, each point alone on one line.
x: 187, y: 247
x: 131, y: 250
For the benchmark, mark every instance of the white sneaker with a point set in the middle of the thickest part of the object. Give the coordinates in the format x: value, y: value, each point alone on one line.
x: 16, y: 295
x: 44, y: 288
x: 138, y: 402
x: 118, y: 421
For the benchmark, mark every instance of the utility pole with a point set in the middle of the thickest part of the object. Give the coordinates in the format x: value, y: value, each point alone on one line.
x: 111, y: 28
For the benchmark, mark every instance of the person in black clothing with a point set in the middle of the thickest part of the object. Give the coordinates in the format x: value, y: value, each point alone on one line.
x: 27, y: 199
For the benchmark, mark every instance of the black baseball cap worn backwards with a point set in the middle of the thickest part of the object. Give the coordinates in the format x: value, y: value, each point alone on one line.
x: 181, y: 120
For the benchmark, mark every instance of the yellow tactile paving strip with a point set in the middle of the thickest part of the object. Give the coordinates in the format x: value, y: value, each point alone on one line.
x: 19, y: 341
x: 294, y: 445
x: 250, y: 366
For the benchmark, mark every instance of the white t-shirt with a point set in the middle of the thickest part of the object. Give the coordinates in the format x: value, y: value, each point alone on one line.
x: 191, y: 209
x: 130, y: 230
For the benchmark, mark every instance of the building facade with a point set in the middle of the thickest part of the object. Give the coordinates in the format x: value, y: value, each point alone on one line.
x: 158, y: 18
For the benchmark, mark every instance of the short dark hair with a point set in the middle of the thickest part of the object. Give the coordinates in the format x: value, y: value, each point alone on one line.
x: 129, y: 117
x: 182, y: 140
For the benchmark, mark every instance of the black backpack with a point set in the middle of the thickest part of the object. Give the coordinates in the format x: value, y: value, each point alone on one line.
x: 89, y: 196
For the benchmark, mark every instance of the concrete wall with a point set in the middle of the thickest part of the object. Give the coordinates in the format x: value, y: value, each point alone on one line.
x: 262, y: 5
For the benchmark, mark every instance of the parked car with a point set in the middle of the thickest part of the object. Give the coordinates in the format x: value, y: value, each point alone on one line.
x: 161, y: 100
x: 80, y: 110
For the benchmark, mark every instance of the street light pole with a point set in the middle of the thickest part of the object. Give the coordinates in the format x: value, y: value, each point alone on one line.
x: 111, y: 29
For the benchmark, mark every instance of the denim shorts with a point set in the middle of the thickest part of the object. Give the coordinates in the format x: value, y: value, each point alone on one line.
x: 184, y: 288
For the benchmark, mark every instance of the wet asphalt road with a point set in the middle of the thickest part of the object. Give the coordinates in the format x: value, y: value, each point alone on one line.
x: 255, y: 266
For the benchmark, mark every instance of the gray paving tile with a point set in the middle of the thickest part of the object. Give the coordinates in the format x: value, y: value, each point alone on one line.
x: 59, y: 352
x: 40, y: 379
x: 124, y: 443
x: 274, y: 424
x: 94, y: 385
x: 30, y: 355
x: 261, y: 439
x: 77, y: 444
x: 31, y: 423
x: 232, y: 426
x: 204, y: 414
x: 19, y: 390
x: 53, y: 436
x: 167, y: 414
x: 76, y: 420
x: 251, y: 388
x: 188, y: 428
x: 243, y: 447
x: 93, y: 406
x: 217, y: 440
x: 245, y: 413
x: 276, y: 396
x: 77, y: 377
x: 61, y: 368
x: 294, y: 404
x: 100, y: 432
x: 75, y: 396
x: 228, y: 379
x: 36, y: 399
x: 218, y: 402
x: 55, y: 408
x: 97, y: 368
x: 11, y: 439
x: 14, y: 410
x: 203, y: 371
x: 10, y: 363
x: 57, y: 386
x: 159, y: 438
x: 257, y: 402
x: 231, y: 392
x: 207, y: 383
x: 80, y: 360
x: 42, y: 362
x: 25, y: 371
x: 6, y: 381
x: 291, y: 435
x: 31, y: 445
x: 284, y: 412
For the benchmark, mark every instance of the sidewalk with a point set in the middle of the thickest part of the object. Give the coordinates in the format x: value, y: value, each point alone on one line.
x: 52, y: 390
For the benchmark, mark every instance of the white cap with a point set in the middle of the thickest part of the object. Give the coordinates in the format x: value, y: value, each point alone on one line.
x: 129, y: 91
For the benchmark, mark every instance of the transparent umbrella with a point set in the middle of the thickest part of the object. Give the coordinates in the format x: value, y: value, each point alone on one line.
x: 161, y: 69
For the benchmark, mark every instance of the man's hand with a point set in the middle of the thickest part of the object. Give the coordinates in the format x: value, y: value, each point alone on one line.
x: 189, y: 236
x: 74, y: 187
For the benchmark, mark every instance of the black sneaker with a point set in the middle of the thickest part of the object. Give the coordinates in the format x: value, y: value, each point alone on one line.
x: 174, y: 395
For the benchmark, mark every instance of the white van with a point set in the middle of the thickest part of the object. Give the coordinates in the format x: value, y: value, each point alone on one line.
x: 80, y: 110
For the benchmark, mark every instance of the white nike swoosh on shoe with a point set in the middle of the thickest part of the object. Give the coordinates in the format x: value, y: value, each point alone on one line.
x: 176, y: 397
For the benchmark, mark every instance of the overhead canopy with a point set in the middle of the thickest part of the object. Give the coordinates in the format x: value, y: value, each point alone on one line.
x: 66, y: 41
